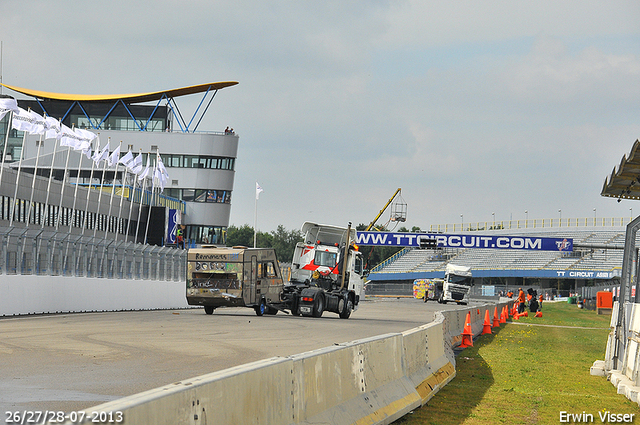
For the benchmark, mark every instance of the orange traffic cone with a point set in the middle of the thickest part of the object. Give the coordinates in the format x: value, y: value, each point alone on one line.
x: 496, y: 320
x: 538, y: 314
x: 486, y: 328
x: 516, y: 316
x: 467, y: 333
x: 525, y: 314
x: 503, y: 315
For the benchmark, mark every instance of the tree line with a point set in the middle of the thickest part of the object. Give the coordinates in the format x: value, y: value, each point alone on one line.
x: 284, y: 242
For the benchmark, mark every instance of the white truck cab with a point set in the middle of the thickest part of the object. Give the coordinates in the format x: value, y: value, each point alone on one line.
x: 457, y: 284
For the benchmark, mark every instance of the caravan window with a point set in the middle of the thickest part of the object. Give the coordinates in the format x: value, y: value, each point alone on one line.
x: 269, y: 270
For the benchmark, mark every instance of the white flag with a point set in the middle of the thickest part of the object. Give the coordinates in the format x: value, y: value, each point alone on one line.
x: 52, y: 128
x: 99, y: 156
x: 83, y: 141
x: 28, y: 121
x: 7, y: 104
x: 258, y: 190
x: 136, y: 165
x: 163, y: 170
x: 145, y: 173
x: 159, y: 179
x: 127, y: 160
x: 161, y: 166
x: 66, y: 136
x: 114, y: 157
x: 160, y: 174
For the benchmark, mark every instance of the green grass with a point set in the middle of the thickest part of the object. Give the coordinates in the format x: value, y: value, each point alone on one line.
x: 527, y: 374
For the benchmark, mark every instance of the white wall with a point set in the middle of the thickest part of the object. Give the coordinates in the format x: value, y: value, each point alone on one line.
x: 21, y: 295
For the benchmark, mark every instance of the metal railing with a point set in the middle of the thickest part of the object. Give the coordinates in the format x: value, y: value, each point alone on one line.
x: 535, y: 223
x: 33, y: 252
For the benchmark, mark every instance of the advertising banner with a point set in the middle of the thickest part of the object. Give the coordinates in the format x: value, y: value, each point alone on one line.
x: 174, y: 220
x: 465, y: 241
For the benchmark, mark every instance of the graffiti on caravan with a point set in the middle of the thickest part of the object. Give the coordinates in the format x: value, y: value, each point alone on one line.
x: 465, y: 241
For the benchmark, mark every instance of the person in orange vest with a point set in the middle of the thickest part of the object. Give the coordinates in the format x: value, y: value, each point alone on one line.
x: 521, y: 301
x: 540, y: 302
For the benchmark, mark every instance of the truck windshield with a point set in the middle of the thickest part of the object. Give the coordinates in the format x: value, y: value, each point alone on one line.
x: 325, y: 258
x: 460, y: 280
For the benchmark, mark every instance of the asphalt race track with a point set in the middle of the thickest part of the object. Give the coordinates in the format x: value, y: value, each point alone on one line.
x: 76, y: 361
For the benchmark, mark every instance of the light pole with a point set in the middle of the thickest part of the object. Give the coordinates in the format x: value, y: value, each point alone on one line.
x: 526, y: 215
x: 594, y: 216
x: 631, y: 213
x: 494, y: 219
x: 462, y: 221
x: 560, y: 212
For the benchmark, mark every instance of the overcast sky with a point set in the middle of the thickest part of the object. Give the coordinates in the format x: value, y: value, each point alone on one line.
x: 472, y: 108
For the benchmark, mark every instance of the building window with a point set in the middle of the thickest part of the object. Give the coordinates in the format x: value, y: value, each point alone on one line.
x: 201, y: 195
x: 198, y: 161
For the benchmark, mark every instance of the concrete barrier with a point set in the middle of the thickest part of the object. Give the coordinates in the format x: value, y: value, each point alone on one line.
x: 370, y: 381
x: 429, y: 365
x: 361, y: 382
x: 21, y: 295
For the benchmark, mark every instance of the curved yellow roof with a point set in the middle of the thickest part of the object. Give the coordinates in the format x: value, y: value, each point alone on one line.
x: 127, y: 98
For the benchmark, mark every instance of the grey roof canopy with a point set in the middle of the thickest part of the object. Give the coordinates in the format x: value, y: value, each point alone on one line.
x: 624, y: 181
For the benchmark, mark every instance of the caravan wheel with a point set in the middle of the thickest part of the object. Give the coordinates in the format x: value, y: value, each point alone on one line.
x: 260, y: 308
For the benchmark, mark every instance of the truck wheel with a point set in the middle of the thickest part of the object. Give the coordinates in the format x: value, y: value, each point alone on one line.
x: 260, y: 308
x: 347, y: 309
x: 294, y: 306
x: 209, y: 309
x: 318, y: 305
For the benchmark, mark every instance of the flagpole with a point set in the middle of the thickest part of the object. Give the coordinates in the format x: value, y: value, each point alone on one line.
x: 255, y: 215
x: 96, y: 221
x: 135, y: 180
x: 6, y: 142
x: 75, y: 191
x: 33, y: 180
x: 153, y: 186
x: 46, y: 203
x: 86, y: 205
x: 123, y: 182
x: 255, y: 222
x: 144, y: 184
x: 115, y: 155
x: 104, y: 171
x: 113, y: 190
x: 64, y: 181
x: 15, y: 193
x: 75, y: 197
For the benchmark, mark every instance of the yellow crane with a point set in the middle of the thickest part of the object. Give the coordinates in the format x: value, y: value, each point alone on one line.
x: 398, y: 210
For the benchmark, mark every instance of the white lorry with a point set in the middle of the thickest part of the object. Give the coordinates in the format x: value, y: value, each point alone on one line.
x: 322, y: 277
x: 456, y: 285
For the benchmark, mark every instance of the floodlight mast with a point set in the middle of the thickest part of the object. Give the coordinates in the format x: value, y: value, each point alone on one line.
x: 370, y: 226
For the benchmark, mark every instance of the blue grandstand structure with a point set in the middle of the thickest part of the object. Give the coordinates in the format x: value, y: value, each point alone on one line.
x: 595, y: 261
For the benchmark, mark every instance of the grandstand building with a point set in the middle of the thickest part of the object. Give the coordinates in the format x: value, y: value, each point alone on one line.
x: 201, y: 165
x: 596, y: 260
